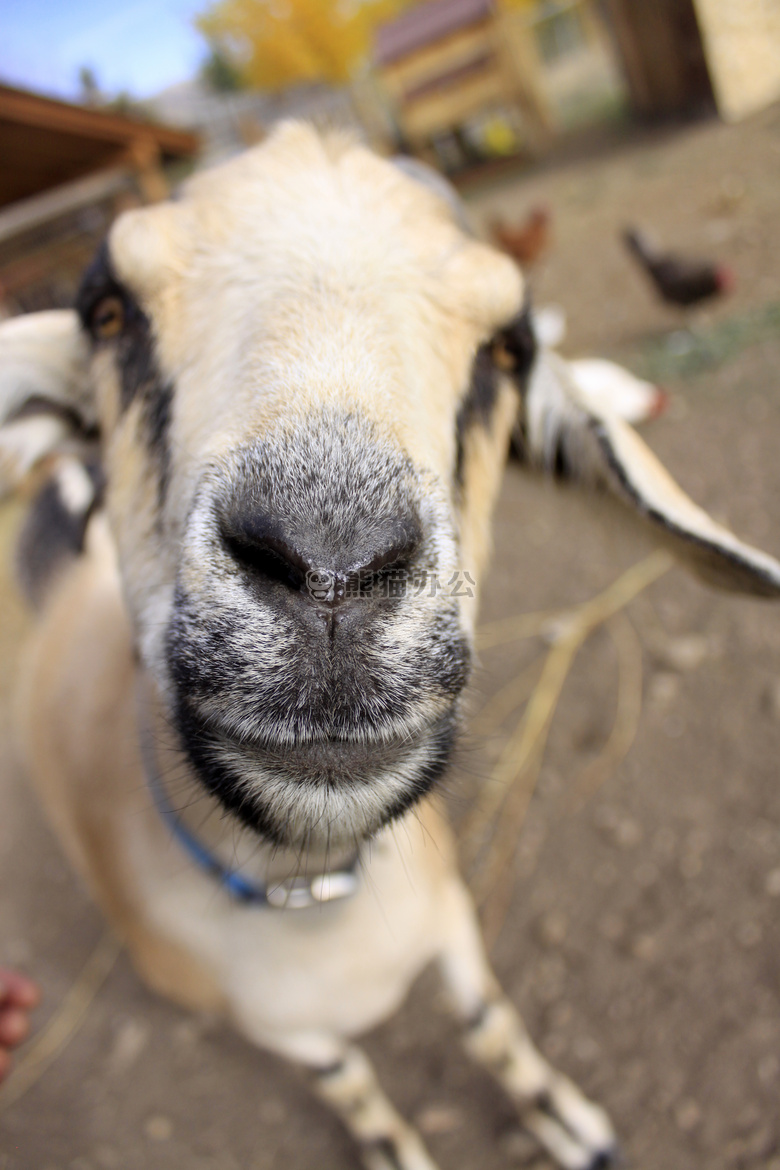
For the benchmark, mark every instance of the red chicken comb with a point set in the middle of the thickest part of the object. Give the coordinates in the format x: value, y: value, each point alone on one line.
x: 725, y: 278
x: 660, y: 402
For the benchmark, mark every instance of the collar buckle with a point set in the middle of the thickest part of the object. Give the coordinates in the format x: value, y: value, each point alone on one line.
x: 300, y: 893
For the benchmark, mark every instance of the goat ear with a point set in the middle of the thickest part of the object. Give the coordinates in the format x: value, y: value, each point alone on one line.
x: 44, y: 355
x: 562, y: 434
x: 43, y: 362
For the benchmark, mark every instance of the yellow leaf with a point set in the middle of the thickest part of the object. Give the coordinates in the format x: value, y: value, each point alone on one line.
x: 275, y: 43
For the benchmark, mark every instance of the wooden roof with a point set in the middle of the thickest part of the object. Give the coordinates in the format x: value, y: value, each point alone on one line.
x: 44, y: 142
x: 426, y: 24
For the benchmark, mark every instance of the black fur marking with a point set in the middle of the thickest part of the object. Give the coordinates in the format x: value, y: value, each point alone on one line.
x: 444, y: 736
x: 758, y: 582
x: 330, y: 1070
x: 52, y: 535
x: 603, y: 1160
x: 156, y: 413
x: 518, y: 448
x: 140, y: 377
x: 37, y: 405
x: 476, y: 409
x: 561, y: 467
x: 606, y: 1160
x: 544, y: 1103
x: 477, y: 1018
x: 387, y: 1149
x: 610, y: 1158
x: 98, y: 281
x: 519, y: 341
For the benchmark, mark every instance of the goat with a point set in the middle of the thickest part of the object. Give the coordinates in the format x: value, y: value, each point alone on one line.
x: 305, y: 375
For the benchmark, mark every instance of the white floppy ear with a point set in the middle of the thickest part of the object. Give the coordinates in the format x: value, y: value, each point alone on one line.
x: 44, y: 355
x: 43, y: 364
x: 564, y: 433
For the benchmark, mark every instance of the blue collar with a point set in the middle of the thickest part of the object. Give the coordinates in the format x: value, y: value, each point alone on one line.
x: 296, y: 893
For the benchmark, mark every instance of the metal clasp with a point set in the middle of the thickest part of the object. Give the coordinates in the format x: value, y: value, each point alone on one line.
x: 299, y: 893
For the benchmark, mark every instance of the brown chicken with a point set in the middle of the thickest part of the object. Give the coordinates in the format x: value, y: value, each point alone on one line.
x: 525, y: 242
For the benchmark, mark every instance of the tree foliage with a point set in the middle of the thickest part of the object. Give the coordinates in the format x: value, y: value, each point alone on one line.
x: 219, y: 73
x: 275, y: 43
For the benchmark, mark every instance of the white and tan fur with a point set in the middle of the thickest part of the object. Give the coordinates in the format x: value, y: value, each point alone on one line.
x: 312, y: 307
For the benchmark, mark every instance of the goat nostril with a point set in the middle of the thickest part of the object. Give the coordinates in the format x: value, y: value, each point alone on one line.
x: 262, y: 552
x: 265, y: 550
x: 265, y: 561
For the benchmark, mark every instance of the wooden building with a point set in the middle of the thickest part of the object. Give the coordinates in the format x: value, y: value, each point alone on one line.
x: 66, y: 171
x: 457, y: 71
x: 680, y: 56
x: 445, y: 62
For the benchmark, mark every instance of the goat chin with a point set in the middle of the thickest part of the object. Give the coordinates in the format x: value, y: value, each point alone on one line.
x: 332, y: 792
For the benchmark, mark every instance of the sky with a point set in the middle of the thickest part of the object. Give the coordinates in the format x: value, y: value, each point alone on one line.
x: 138, y: 46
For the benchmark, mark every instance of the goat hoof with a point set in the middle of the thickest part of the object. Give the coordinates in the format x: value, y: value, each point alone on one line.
x: 609, y: 1159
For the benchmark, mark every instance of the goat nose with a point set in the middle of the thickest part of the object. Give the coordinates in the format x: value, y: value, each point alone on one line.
x: 314, y: 562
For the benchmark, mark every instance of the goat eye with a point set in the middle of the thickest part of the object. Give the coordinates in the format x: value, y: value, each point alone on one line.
x: 107, y: 318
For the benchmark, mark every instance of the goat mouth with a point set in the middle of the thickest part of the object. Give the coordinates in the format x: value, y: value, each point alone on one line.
x: 330, y: 789
x: 330, y: 760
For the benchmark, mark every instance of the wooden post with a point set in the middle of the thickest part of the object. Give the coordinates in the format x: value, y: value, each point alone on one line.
x: 520, y: 60
x: 146, y: 159
x: 663, y: 56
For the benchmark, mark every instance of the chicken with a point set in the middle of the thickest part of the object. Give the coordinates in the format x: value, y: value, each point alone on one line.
x: 527, y: 241
x: 679, y: 280
x: 549, y: 325
x: 608, y: 388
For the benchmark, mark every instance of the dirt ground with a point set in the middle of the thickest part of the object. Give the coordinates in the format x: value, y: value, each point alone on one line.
x: 642, y: 941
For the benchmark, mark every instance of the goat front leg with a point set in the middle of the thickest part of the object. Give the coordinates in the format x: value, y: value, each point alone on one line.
x: 574, y: 1131
x: 344, y: 1079
x: 385, y: 1140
